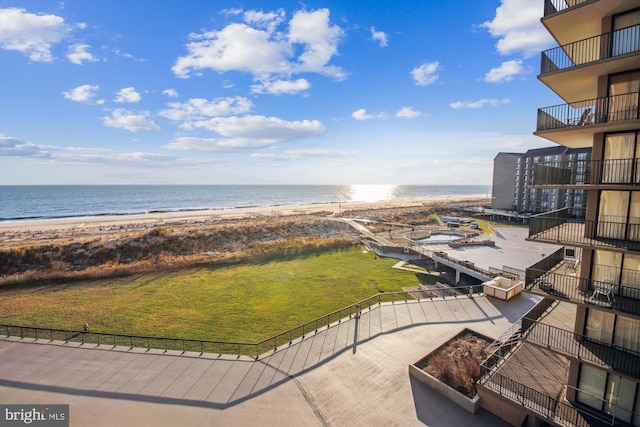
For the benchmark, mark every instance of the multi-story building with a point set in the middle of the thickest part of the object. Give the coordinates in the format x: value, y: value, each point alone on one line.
x: 575, y: 359
x: 513, y: 173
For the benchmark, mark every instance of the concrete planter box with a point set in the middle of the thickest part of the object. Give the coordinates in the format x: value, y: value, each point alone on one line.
x: 503, y: 288
x: 469, y: 404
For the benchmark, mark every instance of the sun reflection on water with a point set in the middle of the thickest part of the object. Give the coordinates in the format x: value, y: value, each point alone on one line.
x: 372, y: 192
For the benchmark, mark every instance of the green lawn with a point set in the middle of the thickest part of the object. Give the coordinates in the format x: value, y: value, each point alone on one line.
x: 244, y: 303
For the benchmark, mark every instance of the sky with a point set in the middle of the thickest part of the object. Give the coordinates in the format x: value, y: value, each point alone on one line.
x: 420, y: 92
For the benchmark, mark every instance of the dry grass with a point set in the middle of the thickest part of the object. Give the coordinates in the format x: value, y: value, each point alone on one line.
x: 458, y: 363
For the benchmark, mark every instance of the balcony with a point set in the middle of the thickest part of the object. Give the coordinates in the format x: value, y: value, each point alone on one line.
x: 561, y: 16
x: 603, y: 46
x: 556, y: 227
x: 592, y: 112
x: 562, y: 282
x: 579, y: 173
x: 529, y: 365
x: 581, y: 347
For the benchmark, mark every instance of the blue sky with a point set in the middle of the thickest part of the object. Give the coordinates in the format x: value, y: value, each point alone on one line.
x: 267, y: 92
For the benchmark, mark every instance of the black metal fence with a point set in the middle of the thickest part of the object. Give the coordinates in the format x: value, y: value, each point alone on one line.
x: 607, y: 109
x: 602, y: 46
x: 581, y: 347
x: 587, y: 172
x: 603, y: 293
x: 216, y: 347
x: 554, y: 6
x: 555, y: 226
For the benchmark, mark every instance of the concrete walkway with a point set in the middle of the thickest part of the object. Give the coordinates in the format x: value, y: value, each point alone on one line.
x: 353, y: 373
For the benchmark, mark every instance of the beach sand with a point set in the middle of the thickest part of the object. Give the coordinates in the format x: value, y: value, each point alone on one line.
x: 207, y: 216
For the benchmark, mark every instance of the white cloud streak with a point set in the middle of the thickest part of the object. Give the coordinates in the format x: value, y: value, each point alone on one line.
x: 84, y: 93
x: 123, y: 119
x: 408, y: 113
x: 78, y: 54
x: 33, y: 35
x: 380, y: 37
x: 479, y: 104
x: 505, y: 72
x: 264, y: 52
x: 518, y: 28
x: 280, y: 87
x: 127, y: 94
x: 426, y: 73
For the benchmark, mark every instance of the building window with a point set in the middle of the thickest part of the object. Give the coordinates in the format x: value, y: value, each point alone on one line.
x: 619, y: 215
x: 621, y: 158
x: 626, y: 35
x: 600, y: 326
x: 610, y: 393
x: 614, y: 268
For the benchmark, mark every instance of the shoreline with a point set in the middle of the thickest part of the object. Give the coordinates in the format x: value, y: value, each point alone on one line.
x: 197, y: 216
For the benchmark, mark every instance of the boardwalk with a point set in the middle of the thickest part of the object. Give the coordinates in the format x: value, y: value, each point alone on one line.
x: 353, y: 373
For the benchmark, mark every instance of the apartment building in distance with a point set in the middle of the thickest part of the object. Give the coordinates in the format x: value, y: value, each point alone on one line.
x: 512, y: 188
x: 575, y: 359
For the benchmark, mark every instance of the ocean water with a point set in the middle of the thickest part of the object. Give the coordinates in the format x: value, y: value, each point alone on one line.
x: 37, y: 202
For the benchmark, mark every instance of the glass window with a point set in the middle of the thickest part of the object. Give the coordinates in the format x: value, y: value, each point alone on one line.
x: 618, y: 162
x: 612, y: 216
x: 600, y: 325
x: 619, y: 397
x: 591, y: 387
x: 626, y: 35
x: 631, y: 276
x: 627, y: 333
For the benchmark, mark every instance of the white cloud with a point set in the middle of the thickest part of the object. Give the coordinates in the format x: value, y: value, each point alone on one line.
x: 171, y: 93
x: 479, y: 104
x: 78, y: 53
x: 200, y: 109
x: 426, y: 74
x: 33, y: 35
x: 268, y: 21
x: 380, y: 36
x: 306, y: 152
x: 362, y: 115
x: 128, y: 94
x: 123, y: 119
x: 279, y: 87
x: 264, y: 52
x: 517, y: 25
x: 408, y: 113
x: 505, y: 72
x: 84, y: 93
x: 247, y: 132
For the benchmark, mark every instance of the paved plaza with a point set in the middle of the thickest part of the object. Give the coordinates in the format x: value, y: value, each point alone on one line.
x: 352, y: 373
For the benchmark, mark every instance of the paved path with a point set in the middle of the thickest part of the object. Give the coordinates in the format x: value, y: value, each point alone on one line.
x: 323, y: 380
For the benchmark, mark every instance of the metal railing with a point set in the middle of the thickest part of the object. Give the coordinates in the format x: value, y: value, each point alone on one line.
x: 555, y: 6
x: 609, y: 109
x: 602, y: 354
x: 183, y: 345
x: 556, y: 227
x: 588, y: 172
x: 602, y: 46
x: 551, y: 408
x: 600, y: 293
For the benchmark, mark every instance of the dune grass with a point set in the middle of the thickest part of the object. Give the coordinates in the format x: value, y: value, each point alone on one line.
x: 243, y: 303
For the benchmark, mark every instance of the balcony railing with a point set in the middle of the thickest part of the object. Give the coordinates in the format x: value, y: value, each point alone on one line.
x: 588, y: 172
x: 610, y: 109
x: 557, y: 227
x: 568, y: 343
x: 603, y: 46
x: 563, y: 283
x: 555, y: 6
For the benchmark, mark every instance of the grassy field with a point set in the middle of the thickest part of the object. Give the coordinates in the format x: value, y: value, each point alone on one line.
x: 244, y: 303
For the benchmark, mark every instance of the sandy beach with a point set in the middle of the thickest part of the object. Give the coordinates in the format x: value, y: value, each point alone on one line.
x: 85, y: 224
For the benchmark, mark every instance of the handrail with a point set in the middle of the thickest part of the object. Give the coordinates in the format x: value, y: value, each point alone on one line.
x: 603, y: 46
x: 555, y: 6
x: 211, y: 346
x: 622, y: 298
x: 582, y: 347
x: 587, y: 172
x: 608, y: 109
